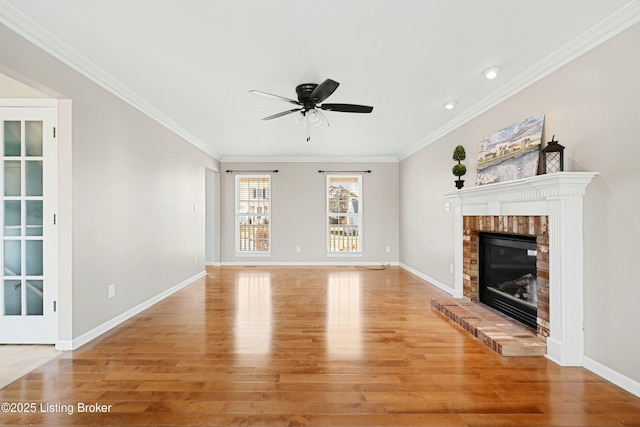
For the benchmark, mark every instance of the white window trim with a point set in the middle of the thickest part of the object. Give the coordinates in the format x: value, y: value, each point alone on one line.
x: 236, y: 216
x: 359, y: 252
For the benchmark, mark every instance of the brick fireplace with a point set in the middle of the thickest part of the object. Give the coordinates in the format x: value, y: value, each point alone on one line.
x: 548, y: 207
x: 536, y: 226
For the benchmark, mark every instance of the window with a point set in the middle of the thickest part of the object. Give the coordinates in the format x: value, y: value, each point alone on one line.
x: 253, y: 214
x: 344, y: 213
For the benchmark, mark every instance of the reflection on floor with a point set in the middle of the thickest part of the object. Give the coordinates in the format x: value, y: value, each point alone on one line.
x: 18, y: 360
x: 344, y: 329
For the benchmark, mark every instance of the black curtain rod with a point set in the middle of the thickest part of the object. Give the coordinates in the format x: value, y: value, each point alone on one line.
x: 252, y: 171
x: 367, y: 171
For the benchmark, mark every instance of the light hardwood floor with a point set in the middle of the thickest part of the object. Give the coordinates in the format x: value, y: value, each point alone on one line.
x: 308, y: 346
x: 18, y: 360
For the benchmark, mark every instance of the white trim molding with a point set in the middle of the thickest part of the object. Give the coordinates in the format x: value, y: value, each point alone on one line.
x: 615, y: 377
x: 77, y: 342
x: 453, y: 292
x: 310, y: 264
x: 558, y: 196
x: 309, y: 159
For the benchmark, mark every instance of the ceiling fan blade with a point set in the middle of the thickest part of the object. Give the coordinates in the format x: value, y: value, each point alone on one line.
x: 347, y: 108
x: 284, y: 113
x: 269, y: 95
x: 324, y: 90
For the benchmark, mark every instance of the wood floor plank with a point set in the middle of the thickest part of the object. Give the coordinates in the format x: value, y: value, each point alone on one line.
x: 308, y: 346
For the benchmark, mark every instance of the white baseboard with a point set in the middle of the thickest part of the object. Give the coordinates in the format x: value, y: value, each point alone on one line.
x: 610, y: 375
x: 110, y: 324
x: 307, y: 263
x: 432, y: 281
x: 64, y: 345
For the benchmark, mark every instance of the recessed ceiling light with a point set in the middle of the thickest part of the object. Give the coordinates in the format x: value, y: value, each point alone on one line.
x: 491, y: 73
x: 450, y: 105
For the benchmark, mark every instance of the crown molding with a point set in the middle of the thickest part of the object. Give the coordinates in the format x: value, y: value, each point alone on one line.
x: 28, y: 29
x: 308, y: 159
x: 614, y: 24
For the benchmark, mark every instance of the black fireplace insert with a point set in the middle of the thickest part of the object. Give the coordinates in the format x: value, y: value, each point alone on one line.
x: 507, y: 279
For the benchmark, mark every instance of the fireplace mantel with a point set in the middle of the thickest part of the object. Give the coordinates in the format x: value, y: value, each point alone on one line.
x: 559, y: 197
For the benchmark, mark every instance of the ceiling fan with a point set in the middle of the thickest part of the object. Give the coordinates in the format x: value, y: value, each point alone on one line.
x: 310, y: 101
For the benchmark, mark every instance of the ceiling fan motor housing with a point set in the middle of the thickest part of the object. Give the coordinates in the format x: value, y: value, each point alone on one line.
x: 304, y: 92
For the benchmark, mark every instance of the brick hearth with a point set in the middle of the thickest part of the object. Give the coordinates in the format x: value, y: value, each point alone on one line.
x: 502, y: 334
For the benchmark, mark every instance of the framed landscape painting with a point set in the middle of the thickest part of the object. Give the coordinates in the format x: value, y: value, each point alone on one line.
x: 511, y: 153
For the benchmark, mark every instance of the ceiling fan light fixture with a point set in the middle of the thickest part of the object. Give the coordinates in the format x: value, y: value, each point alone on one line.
x: 298, y: 117
x: 491, y: 73
x: 313, y: 115
x: 450, y: 105
x: 322, y: 120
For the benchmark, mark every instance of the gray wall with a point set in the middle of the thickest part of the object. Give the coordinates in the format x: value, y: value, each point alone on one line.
x: 592, y: 107
x: 134, y: 187
x: 298, y: 213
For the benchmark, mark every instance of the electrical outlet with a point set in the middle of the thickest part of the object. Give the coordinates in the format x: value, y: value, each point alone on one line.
x: 298, y: 250
x: 388, y: 249
x: 111, y: 291
x: 451, y: 268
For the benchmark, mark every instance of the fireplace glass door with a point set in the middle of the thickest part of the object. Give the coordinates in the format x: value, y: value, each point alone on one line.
x: 508, y: 275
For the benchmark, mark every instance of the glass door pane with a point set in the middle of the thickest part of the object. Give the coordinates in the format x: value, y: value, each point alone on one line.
x: 34, y: 178
x: 12, y: 138
x: 35, y: 300
x: 13, y: 257
x: 12, y: 178
x: 33, y: 138
x: 12, y: 217
x: 33, y: 257
x: 34, y: 218
x: 12, y: 298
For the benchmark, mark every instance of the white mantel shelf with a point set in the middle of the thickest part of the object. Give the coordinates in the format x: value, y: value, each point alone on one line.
x: 558, y: 196
x: 500, y: 195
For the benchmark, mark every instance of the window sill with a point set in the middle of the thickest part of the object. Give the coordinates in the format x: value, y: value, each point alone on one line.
x: 344, y: 254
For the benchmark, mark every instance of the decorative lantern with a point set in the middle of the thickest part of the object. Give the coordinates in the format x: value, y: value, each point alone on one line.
x: 553, y: 157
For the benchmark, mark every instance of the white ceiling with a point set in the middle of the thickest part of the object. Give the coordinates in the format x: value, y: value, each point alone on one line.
x: 190, y: 64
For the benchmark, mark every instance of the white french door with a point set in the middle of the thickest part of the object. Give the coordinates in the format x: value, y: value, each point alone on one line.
x: 28, y: 285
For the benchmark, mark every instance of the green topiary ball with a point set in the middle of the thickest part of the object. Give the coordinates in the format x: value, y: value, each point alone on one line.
x: 459, y: 153
x: 459, y: 170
